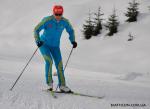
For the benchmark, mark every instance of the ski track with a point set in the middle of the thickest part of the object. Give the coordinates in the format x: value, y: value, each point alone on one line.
x: 17, y: 100
x: 32, y: 97
x: 28, y: 99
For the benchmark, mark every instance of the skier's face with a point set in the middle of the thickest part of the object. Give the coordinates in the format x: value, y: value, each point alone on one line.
x: 58, y: 16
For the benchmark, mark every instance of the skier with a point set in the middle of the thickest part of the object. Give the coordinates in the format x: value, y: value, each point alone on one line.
x: 49, y: 44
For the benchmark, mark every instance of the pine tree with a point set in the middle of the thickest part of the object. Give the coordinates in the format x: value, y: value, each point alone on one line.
x: 132, y: 12
x: 97, y: 22
x: 112, y: 24
x: 149, y: 8
x: 88, y: 28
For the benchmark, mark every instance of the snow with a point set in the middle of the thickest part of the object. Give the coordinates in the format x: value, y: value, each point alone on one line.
x: 102, y: 66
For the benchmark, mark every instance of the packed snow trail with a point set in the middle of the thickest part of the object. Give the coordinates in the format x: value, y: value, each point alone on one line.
x: 28, y: 92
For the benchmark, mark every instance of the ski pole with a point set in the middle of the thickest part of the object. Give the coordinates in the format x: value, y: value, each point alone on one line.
x: 23, y: 70
x: 66, y: 64
x: 68, y: 59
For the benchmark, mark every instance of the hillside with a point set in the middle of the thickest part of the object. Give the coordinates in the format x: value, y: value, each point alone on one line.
x: 102, y: 66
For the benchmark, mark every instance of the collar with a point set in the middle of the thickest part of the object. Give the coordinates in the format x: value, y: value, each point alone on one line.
x: 55, y: 19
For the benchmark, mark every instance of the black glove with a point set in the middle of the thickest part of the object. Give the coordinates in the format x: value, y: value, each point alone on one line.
x: 39, y: 43
x: 74, y: 44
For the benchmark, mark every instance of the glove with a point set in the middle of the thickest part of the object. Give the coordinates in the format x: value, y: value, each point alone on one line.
x: 74, y: 44
x: 39, y: 43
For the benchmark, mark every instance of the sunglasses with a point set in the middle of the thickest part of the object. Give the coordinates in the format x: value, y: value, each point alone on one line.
x: 58, y: 14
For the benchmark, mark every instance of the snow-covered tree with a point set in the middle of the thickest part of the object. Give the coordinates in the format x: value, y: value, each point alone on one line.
x: 132, y: 11
x: 112, y: 24
x: 88, y: 28
x: 97, y: 22
x: 149, y: 8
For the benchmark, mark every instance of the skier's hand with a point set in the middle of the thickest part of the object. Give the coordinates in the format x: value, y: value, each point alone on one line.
x: 39, y: 43
x: 74, y: 44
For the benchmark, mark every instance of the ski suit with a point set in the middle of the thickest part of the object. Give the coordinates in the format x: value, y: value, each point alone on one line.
x: 51, y: 47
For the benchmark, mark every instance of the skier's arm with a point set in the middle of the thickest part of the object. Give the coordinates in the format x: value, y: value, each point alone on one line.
x: 37, y: 30
x: 70, y: 31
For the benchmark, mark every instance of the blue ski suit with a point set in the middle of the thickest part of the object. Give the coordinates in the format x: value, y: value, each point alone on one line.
x: 50, y: 49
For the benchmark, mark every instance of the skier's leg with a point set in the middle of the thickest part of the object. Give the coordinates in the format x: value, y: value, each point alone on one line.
x: 60, y: 71
x: 59, y: 65
x: 45, y: 51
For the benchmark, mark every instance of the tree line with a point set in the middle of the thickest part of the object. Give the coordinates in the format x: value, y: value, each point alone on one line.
x: 93, y: 25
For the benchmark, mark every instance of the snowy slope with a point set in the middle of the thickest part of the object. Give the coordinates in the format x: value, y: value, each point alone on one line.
x: 116, y: 54
x: 103, y: 66
x: 132, y: 88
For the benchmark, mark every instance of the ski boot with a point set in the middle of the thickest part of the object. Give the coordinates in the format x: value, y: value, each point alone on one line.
x: 50, y: 86
x: 65, y: 89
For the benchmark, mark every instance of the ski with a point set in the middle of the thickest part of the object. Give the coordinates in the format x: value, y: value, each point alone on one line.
x: 81, y: 94
x: 51, y: 92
